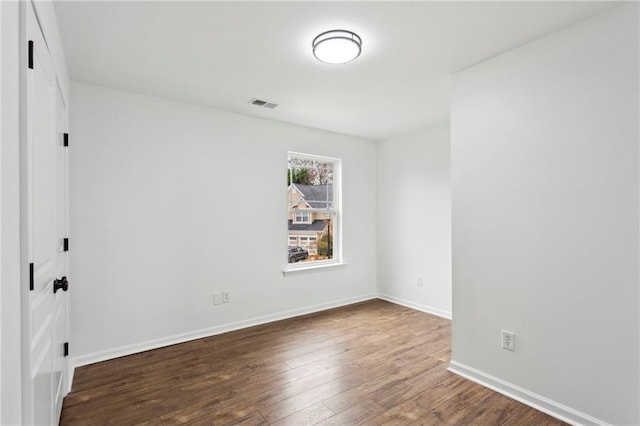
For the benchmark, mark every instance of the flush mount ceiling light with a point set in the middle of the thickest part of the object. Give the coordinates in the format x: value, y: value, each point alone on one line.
x: 337, y: 46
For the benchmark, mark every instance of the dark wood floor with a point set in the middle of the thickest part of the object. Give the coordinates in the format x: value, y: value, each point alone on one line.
x: 371, y: 363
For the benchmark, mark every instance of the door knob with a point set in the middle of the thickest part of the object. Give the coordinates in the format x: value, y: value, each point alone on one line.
x: 61, y: 284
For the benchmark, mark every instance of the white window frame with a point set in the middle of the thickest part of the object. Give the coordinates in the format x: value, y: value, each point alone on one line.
x: 296, y: 212
x: 336, y: 211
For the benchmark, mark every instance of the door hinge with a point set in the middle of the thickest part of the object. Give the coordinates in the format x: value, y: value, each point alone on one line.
x: 31, y: 54
x: 66, y: 348
x: 65, y: 244
x: 65, y: 140
x: 31, y: 285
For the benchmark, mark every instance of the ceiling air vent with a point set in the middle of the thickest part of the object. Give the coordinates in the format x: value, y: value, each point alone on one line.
x: 262, y: 103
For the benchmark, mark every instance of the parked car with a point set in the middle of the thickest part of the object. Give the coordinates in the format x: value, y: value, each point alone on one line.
x: 297, y: 253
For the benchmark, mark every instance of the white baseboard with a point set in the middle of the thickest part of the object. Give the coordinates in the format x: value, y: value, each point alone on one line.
x: 416, y: 306
x: 553, y: 408
x: 99, y: 356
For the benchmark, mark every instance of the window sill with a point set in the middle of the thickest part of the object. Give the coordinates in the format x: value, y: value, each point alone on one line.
x: 311, y: 268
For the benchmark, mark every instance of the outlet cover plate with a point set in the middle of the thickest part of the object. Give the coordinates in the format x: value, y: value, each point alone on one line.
x: 509, y: 340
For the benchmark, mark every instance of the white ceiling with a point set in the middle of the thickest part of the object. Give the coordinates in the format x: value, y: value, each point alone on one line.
x: 223, y: 54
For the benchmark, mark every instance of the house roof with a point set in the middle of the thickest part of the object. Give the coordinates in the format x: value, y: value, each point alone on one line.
x: 316, y: 226
x: 316, y: 195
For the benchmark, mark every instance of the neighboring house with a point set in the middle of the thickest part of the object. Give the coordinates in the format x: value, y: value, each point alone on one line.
x: 308, y: 218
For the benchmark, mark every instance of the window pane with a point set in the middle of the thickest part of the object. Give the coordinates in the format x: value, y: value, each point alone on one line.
x: 310, y: 201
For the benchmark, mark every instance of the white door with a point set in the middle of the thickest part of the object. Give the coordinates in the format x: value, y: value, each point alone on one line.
x: 60, y: 297
x: 46, y: 183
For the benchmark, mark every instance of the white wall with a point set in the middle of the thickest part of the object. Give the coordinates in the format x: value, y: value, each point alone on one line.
x: 414, y: 220
x: 545, y: 220
x: 171, y: 202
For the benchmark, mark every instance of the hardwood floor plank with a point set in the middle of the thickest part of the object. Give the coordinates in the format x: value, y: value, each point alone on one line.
x: 307, y: 416
x: 307, y: 398
x: 354, y: 415
x: 255, y: 419
x: 537, y: 418
x: 202, y: 421
x: 439, y: 392
x: 456, y: 407
x: 228, y: 404
x: 370, y: 363
x: 391, y: 381
x: 412, y: 386
x: 497, y: 410
x: 380, y: 374
x: 399, y: 415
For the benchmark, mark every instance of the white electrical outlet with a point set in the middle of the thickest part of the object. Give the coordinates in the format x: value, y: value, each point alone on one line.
x: 509, y: 340
x: 420, y: 282
x: 217, y: 298
x: 225, y: 297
